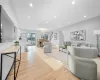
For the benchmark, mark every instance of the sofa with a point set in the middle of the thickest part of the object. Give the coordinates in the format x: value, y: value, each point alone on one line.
x: 80, y: 62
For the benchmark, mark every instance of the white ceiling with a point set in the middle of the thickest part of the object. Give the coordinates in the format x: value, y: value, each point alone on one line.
x: 43, y: 12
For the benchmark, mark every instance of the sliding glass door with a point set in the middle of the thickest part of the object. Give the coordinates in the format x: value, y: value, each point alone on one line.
x: 31, y: 38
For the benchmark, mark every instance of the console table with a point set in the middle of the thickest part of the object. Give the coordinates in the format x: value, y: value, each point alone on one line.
x: 8, y: 61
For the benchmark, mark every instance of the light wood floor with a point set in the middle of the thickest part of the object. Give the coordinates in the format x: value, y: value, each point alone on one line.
x: 40, y: 67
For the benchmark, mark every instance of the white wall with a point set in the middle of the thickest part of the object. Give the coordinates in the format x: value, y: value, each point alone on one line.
x: 18, y: 33
x: 61, y: 38
x: 55, y: 43
x: 88, y: 25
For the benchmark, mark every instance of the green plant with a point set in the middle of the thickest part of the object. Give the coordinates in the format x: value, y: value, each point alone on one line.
x: 16, y: 43
x: 65, y: 46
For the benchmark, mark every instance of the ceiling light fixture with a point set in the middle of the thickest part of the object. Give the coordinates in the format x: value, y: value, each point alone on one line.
x: 31, y: 4
x: 55, y: 16
x: 85, y: 16
x: 46, y: 22
x: 29, y: 17
x: 73, y: 2
x: 68, y: 22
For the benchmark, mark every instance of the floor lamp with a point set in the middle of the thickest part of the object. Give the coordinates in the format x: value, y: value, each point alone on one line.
x: 97, y: 33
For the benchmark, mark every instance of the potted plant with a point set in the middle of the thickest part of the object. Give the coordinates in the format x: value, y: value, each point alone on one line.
x: 16, y: 43
x: 68, y: 43
x: 65, y: 46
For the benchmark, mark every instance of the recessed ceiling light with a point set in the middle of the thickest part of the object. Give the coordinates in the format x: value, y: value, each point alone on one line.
x: 68, y: 22
x: 55, y: 16
x: 31, y: 4
x: 85, y: 16
x: 73, y: 2
x: 29, y: 17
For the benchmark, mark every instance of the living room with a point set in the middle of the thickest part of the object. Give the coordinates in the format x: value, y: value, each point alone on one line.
x: 49, y: 40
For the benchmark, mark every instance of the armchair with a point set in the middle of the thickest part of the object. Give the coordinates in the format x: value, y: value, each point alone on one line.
x: 47, y: 47
x: 80, y: 62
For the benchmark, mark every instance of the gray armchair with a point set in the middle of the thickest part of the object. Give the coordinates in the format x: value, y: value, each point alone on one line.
x: 47, y: 47
x: 80, y: 62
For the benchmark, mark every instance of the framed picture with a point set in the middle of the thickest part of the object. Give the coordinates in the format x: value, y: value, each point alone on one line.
x: 55, y: 36
x: 78, y: 35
